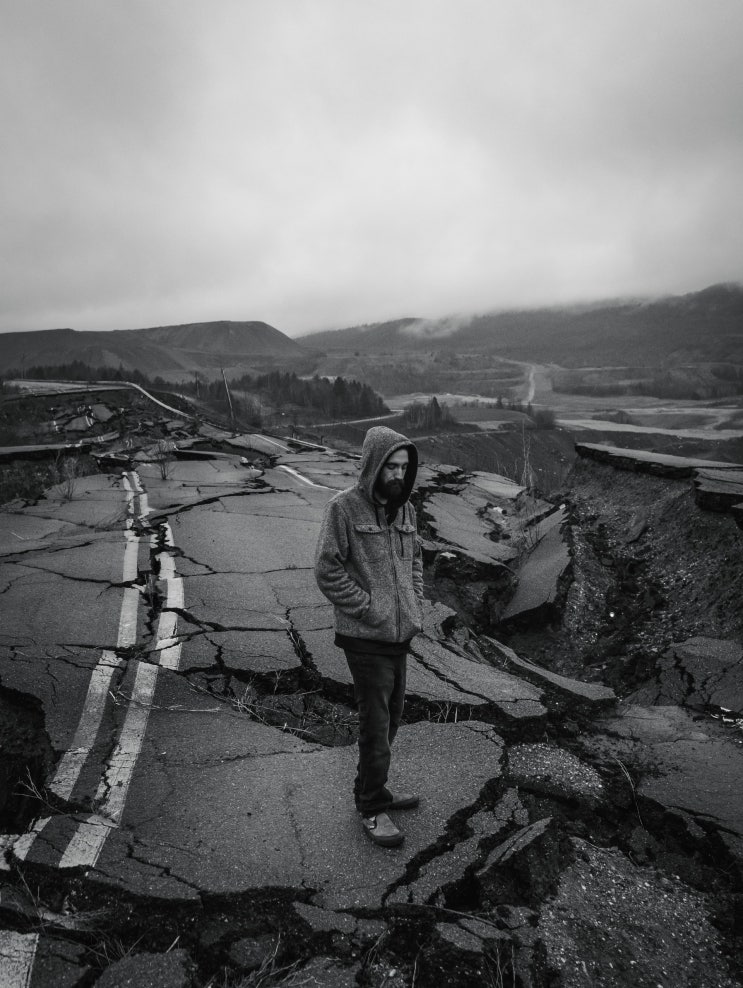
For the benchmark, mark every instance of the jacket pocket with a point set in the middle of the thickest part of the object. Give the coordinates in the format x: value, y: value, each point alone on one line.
x: 404, y: 540
x: 381, y: 611
x: 371, y: 549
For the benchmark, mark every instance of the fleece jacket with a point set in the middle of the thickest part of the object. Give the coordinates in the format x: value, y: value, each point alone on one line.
x: 369, y: 569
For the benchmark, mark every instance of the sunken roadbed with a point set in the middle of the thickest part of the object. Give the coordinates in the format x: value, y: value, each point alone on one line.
x: 178, y: 740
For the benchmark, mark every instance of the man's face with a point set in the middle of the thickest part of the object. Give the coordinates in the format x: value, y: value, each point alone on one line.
x: 392, y: 476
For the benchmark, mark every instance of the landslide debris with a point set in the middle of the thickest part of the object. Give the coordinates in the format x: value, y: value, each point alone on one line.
x: 650, y: 569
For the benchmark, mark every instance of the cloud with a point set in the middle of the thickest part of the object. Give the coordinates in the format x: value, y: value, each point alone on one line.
x: 317, y: 163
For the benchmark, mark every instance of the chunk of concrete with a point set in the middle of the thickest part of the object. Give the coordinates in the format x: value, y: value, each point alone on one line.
x: 325, y: 920
x: 557, y: 687
x: 718, y: 490
x: 691, y: 766
x: 512, y: 697
x: 252, y: 953
x: 456, y: 520
x: 524, y: 867
x: 539, y: 577
x: 649, y: 461
x: 436, y: 875
x: 554, y: 771
x: 146, y: 970
x: 508, y: 810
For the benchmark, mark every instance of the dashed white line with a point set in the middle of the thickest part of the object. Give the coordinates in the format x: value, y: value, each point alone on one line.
x: 166, y: 640
x: 302, y: 478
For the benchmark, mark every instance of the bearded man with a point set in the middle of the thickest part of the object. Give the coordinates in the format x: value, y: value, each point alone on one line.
x: 368, y: 564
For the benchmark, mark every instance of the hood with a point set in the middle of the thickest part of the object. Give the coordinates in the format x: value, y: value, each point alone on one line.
x: 379, y: 443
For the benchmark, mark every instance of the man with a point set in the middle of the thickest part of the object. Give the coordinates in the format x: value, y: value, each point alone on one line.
x: 368, y: 564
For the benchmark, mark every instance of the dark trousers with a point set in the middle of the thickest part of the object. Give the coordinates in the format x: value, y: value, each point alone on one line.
x: 379, y: 688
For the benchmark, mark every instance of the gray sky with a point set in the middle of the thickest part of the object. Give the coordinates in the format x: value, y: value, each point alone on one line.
x: 322, y: 163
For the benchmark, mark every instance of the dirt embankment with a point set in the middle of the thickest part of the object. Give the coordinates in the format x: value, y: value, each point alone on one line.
x: 649, y: 569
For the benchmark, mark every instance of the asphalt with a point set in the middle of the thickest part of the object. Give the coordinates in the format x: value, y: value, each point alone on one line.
x: 190, y: 600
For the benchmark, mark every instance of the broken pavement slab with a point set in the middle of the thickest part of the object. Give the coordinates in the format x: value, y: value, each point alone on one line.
x: 686, y: 763
x: 650, y: 461
x: 449, y: 868
x: 523, y: 867
x: 281, y: 815
x: 700, y: 672
x: 560, y: 688
x: 439, y: 676
x: 497, y: 486
x: 540, y: 574
x: 457, y: 520
x: 512, y: 697
x: 549, y: 769
x: 147, y: 970
x: 55, y: 962
x: 718, y: 490
x: 241, y: 651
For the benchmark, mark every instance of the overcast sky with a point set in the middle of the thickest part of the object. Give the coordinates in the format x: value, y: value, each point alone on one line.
x: 323, y: 163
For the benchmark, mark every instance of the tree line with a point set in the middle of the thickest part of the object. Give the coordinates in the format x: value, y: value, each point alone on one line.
x: 283, y: 391
x: 334, y: 398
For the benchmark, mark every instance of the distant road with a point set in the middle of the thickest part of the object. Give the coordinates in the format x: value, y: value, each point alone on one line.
x: 604, y: 425
x: 371, y: 418
x: 64, y: 387
x: 71, y: 387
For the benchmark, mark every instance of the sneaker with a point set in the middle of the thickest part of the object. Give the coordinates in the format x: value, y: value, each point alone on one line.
x: 403, y: 801
x: 382, y: 830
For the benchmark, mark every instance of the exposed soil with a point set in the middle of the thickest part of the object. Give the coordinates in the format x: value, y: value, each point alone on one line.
x: 649, y: 568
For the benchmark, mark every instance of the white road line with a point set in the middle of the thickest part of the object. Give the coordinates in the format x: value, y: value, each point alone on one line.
x: 129, y: 499
x: 17, y: 952
x: 88, y: 840
x: 305, y: 480
x: 87, y: 843
x: 114, y: 786
x: 284, y: 449
x: 144, y: 508
x: 167, y: 625
x: 71, y: 763
x: 22, y: 846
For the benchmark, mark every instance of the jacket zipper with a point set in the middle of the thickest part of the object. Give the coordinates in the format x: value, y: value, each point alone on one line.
x: 394, y: 580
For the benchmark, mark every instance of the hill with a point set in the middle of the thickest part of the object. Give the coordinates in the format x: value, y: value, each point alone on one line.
x: 697, y: 327
x: 171, y: 352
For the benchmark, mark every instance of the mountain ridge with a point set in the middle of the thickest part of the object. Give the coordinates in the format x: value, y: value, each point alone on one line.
x: 698, y: 327
x: 702, y: 325
x: 186, y: 348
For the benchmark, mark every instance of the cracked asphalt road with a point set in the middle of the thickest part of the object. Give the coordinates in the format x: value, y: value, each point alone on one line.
x: 171, y: 636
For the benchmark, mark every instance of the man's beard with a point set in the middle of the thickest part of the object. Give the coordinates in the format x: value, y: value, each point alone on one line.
x: 392, y: 490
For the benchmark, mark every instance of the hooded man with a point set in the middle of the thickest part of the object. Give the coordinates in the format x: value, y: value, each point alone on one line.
x: 368, y: 564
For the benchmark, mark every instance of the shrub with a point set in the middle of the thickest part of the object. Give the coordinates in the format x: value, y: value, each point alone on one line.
x: 544, y: 418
